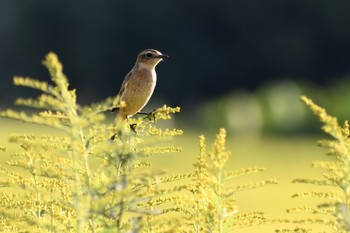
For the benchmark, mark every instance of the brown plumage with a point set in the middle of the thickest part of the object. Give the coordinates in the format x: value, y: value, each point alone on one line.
x: 138, y: 85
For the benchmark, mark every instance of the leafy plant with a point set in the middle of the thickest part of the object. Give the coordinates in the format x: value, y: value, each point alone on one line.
x: 212, y: 205
x: 93, y: 175
x: 79, y: 180
x: 336, y: 177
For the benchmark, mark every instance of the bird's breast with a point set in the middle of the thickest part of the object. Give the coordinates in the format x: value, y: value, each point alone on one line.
x: 144, y: 81
x: 138, y: 90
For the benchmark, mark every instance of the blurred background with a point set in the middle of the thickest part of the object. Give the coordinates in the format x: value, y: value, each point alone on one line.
x: 237, y: 64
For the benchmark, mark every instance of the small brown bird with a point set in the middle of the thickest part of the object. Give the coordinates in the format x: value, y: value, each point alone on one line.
x: 138, y: 85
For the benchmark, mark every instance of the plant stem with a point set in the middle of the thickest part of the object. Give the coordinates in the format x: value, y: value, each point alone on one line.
x: 87, y: 175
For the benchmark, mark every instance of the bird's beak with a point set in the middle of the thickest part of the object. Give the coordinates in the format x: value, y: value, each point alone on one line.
x: 163, y: 56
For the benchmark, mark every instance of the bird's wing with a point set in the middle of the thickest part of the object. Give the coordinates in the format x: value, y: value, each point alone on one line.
x: 122, y: 89
x: 124, y: 84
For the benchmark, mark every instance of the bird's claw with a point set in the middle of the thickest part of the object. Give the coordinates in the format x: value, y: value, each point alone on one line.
x: 151, y: 116
x: 133, y: 127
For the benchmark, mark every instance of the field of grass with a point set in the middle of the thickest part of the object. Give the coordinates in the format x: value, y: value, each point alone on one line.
x: 284, y: 158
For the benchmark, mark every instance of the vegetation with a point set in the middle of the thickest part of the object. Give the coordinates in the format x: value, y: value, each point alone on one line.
x: 336, y: 176
x: 94, y: 175
x: 79, y: 180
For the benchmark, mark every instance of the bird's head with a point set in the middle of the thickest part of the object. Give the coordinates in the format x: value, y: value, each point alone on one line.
x: 150, y: 58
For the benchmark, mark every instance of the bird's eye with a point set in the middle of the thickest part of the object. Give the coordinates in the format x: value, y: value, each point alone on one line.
x: 148, y: 55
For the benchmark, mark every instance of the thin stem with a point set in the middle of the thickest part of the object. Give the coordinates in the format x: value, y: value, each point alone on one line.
x: 77, y: 198
x: 219, y: 192
x: 87, y: 174
x: 36, y: 183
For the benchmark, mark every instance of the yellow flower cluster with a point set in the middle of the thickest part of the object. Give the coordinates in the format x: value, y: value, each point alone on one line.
x: 81, y: 181
x: 84, y: 180
x: 213, y: 206
x: 336, y: 175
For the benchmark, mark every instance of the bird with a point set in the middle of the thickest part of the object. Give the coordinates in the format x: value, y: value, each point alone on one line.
x: 139, y: 84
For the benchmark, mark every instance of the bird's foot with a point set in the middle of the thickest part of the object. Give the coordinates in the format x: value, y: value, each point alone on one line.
x: 133, y: 127
x: 149, y: 115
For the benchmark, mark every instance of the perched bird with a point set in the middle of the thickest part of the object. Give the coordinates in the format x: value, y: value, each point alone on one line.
x: 138, y: 85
